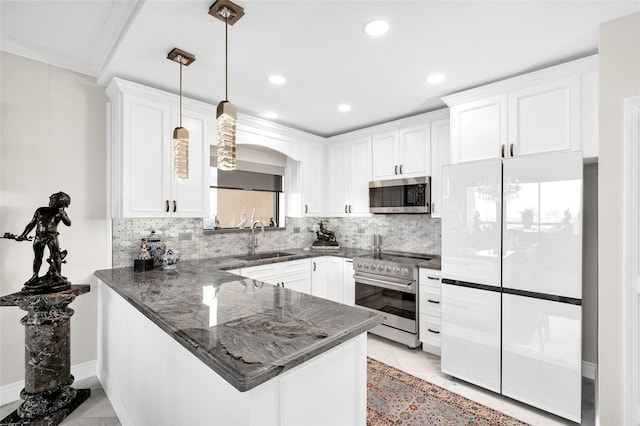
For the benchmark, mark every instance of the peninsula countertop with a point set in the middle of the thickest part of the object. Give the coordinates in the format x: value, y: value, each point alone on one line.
x: 245, y: 330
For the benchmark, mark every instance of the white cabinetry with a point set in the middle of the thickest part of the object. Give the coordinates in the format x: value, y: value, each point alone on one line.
x: 402, y: 153
x: 294, y: 274
x: 348, y: 176
x: 349, y: 283
x: 141, y: 151
x: 329, y: 279
x: 430, y: 310
x: 313, y: 175
x: 440, y: 156
x: 550, y: 110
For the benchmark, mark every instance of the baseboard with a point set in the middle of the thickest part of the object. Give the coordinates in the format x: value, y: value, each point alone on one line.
x: 11, y: 392
x: 589, y: 370
x: 114, y: 398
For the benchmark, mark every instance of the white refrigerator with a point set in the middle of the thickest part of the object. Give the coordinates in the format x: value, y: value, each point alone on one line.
x: 512, y: 278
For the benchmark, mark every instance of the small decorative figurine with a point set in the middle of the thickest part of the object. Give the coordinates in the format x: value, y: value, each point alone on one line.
x: 144, y: 262
x: 169, y: 260
x: 45, y: 221
x: 326, y: 239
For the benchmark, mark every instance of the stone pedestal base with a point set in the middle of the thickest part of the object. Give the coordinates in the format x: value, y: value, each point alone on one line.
x: 53, y: 419
x: 47, y: 392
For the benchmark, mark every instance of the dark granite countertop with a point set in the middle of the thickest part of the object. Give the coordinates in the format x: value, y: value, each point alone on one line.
x: 245, y: 330
x: 431, y: 264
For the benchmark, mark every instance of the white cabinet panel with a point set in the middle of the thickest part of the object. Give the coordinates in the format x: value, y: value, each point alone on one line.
x: 541, y: 354
x: 348, y: 177
x: 313, y: 171
x: 349, y: 283
x: 542, y: 227
x: 545, y: 117
x: 414, y: 151
x: 384, y: 164
x: 471, y: 222
x: 319, y: 277
x: 440, y: 156
x: 334, y: 277
x: 479, y: 129
x: 470, y: 335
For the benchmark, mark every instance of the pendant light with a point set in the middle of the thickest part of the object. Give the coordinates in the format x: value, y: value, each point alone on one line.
x: 227, y: 113
x: 180, y: 134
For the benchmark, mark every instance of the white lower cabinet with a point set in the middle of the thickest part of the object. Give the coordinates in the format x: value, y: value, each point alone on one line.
x: 430, y: 310
x: 294, y: 274
x: 349, y: 284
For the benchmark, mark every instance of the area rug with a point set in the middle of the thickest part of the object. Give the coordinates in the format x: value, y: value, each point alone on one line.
x: 399, y: 399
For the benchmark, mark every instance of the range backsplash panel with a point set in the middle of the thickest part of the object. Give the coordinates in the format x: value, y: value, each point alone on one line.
x: 412, y: 233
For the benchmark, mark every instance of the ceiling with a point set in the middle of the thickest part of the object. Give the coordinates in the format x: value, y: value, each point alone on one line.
x: 318, y: 46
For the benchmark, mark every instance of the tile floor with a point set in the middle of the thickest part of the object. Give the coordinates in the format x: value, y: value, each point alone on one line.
x: 97, y: 410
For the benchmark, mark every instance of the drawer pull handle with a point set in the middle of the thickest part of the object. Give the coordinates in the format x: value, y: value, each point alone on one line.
x: 437, y: 302
x: 433, y: 331
x: 433, y: 278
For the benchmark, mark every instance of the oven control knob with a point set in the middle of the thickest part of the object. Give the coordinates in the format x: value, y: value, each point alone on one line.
x: 396, y: 270
x: 404, y: 271
x: 389, y: 268
x: 366, y: 266
x: 381, y: 268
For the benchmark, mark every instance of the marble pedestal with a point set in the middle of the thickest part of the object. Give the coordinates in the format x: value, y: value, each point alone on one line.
x: 47, y: 394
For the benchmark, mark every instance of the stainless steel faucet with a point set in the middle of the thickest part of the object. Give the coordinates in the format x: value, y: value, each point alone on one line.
x: 254, y: 240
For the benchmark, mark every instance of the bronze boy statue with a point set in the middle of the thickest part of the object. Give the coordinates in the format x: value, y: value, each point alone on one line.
x: 45, y: 221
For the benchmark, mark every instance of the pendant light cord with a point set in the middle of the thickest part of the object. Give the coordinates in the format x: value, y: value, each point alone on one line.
x: 226, y: 57
x: 180, y: 92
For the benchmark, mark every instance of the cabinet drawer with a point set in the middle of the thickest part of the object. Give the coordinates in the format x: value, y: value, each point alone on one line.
x: 296, y: 266
x: 430, y: 303
x: 430, y: 330
x: 429, y: 277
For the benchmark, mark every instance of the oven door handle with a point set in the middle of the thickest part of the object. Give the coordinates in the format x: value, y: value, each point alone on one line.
x: 406, y: 287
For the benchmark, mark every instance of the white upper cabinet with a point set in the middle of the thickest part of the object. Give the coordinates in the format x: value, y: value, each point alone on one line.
x: 348, y: 176
x: 141, y: 151
x: 551, y: 110
x: 402, y: 153
x: 313, y: 175
x: 440, y: 156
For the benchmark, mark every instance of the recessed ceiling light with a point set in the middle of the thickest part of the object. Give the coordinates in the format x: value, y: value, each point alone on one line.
x: 435, y: 78
x: 271, y: 114
x: 376, y: 28
x: 277, y: 79
x: 344, y: 107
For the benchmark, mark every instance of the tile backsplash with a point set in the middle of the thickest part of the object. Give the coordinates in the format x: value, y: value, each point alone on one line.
x: 412, y: 233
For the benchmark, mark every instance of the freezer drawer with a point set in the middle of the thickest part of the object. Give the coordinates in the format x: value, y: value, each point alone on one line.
x: 470, y: 335
x: 542, y: 353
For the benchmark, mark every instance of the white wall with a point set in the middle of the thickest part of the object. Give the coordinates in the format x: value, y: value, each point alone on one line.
x: 619, y: 54
x: 53, y: 138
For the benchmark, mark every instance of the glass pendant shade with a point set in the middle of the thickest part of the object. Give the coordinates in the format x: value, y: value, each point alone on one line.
x: 181, y: 153
x: 226, y: 117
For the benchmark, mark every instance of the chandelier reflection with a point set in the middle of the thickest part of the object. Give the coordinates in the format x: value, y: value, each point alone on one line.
x: 491, y: 189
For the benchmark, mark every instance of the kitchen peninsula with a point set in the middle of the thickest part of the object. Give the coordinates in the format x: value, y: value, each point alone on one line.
x: 198, y: 345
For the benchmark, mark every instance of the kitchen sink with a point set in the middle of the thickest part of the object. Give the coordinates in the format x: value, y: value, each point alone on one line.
x: 263, y: 256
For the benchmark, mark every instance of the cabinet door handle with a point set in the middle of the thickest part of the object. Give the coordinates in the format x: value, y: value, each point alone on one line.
x: 349, y: 208
x: 395, y: 169
x: 345, y: 208
x: 433, y: 331
x: 433, y: 278
x: 502, y: 150
x: 400, y: 168
x: 314, y: 265
x: 437, y: 302
x: 511, y: 149
x: 282, y: 284
x: 167, y: 208
x: 175, y: 206
x: 306, y: 208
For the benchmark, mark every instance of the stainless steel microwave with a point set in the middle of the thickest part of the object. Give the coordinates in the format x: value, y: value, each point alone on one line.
x: 408, y: 195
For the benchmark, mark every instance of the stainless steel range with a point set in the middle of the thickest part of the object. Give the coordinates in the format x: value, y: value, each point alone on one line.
x: 387, y: 283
